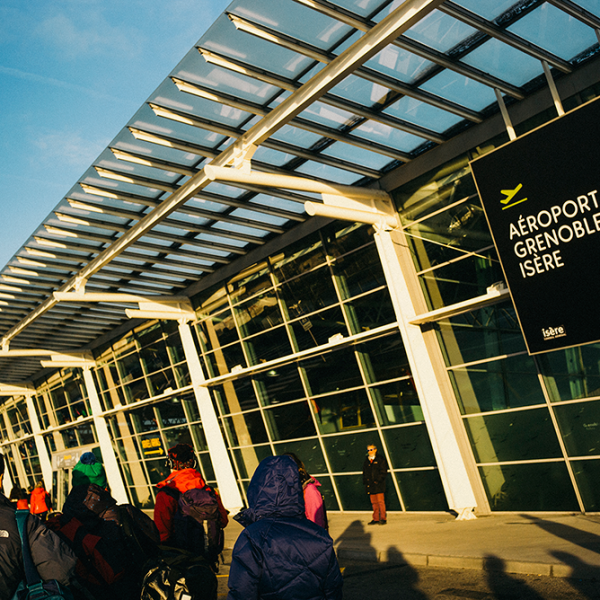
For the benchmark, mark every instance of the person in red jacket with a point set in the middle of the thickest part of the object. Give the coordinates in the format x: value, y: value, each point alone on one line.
x: 184, y: 477
x: 39, y: 502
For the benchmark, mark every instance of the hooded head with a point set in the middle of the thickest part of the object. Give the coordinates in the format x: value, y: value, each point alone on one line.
x: 275, y: 490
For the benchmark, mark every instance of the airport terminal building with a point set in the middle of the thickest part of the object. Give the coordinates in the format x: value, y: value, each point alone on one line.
x: 285, y: 250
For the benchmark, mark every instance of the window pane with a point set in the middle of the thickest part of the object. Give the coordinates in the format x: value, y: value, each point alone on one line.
x: 347, y: 453
x: 359, y: 272
x: 422, y: 490
x: 316, y: 329
x: 308, y: 451
x: 290, y: 421
x: 535, y: 487
x: 523, y: 435
x: 397, y: 402
x: 409, y: 447
x: 268, y: 346
x: 384, y: 358
x: 479, y: 334
x: 340, y: 412
x: 572, y: 373
x: 580, y: 427
x: 246, y: 429
x: 308, y: 293
x: 496, y: 385
x: 258, y: 314
x: 332, y: 372
x: 587, y: 475
x: 369, y: 312
x: 281, y: 384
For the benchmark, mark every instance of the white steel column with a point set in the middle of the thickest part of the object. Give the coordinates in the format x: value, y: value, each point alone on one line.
x: 113, y: 474
x: 45, y: 462
x: 226, y: 480
x: 453, y: 472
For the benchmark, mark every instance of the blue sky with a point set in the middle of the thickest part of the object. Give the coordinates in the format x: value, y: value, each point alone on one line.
x: 72, y: 73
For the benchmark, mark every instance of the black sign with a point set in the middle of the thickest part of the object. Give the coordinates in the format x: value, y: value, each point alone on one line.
x: 541, y: 196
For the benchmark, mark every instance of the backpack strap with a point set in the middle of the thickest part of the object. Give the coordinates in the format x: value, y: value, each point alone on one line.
x: 31, y: 575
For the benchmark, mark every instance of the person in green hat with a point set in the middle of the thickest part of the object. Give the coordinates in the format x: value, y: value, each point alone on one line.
x: 89, y: 470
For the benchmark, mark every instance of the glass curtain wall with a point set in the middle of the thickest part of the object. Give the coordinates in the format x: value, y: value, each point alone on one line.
x: 278, y: 320
x: 533, y: 422
x: 144, y: 385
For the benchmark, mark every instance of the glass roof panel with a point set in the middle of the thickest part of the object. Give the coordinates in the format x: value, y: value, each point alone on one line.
x: 126, y: 142
x: 194, y: 69
x: 223, y: 38
x: 364, y: 8
x: 357, y: 155
x: 460, y: 89
x: 488, y: 9
x: 229, y: 191
x: 282, y: 203
x: 328, y: 173
x: 592, y: 6
x: 505, y: 62
x: 388, y: 136
x: 233, y: 227
x: 272, y: 157
x: 327, y: 115
x: 423, y: 114
x: 440, y: 31
x: 293, y: 19
x: 146, y: 120
x: 399, y: 63
x: 205, y: 204
x: 361, y: 91
x: 252, y: 216
x: 169, y: 96
x: 555, y: 31
x: 296, y: 136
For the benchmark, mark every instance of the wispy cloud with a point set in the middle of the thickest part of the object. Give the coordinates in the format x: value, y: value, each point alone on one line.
x: 88, y: 34
x: 43, y: 80
x: 72, y: 148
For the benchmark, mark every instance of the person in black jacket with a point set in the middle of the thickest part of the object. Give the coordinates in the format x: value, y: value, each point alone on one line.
x: 374, y: 474
x: 51, y: 556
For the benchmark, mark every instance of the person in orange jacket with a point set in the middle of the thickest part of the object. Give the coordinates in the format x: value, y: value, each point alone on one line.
x: 39, y: 502
x: 184, y: 477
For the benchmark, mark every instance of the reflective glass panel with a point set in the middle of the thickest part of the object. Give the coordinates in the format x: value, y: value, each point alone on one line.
x: 268, y: 346
x: 555, y: 31
x: 316, y: 329
x: 244, y: 397
x: 290, y: 421
x: 439, y: 31
x: 334, y: 371
x: 579, y: 426
x: 223, y: 360
x: 572, y: 373
x: 247, y: 459
x: 347, y: 453
x: 508, y: 383
x: 258, y: 314
x: 341, y: 412
x: 353, y: 495
x: 587, y: 475
x: 246, y: 429
x: 533, y: 487
x: 422, y: 490
x: 460, y: 89
x: 384, y: 358
x: 397, y: 402
x: 308, y: 451
x: 371, y: 311
x: 359, y: 272
x: 308, y: 293
x: 422, y: 114
x: 512, y: 436
x: 281, y: 384
x: 480, y: 334
x: 409, y: 447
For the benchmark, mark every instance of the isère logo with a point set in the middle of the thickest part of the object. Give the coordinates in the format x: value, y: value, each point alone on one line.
x: 551, y: 333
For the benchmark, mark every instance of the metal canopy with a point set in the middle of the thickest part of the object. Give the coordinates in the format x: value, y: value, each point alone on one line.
x: 338, y: 92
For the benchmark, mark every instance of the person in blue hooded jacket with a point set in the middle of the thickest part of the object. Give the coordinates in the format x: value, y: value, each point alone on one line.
x: 281, y: 555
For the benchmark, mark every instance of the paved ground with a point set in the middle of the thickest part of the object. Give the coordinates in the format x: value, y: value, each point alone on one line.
x: 563, y: 546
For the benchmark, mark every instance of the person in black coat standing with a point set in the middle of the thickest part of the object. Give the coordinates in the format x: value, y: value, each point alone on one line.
x: 374, y: 474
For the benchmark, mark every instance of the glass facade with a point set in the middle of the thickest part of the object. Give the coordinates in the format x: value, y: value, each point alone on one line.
x: 532, y: 421
x: 323, y: 369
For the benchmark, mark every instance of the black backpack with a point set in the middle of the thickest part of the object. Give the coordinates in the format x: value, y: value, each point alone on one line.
x: 179, y: 575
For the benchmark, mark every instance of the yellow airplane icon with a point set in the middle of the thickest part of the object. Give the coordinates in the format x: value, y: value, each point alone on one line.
x: 510, y: 194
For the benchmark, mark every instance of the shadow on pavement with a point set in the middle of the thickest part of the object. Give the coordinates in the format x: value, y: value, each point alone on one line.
x: 502, y: 585
x: 581, y: 574
x: 585, y: 539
